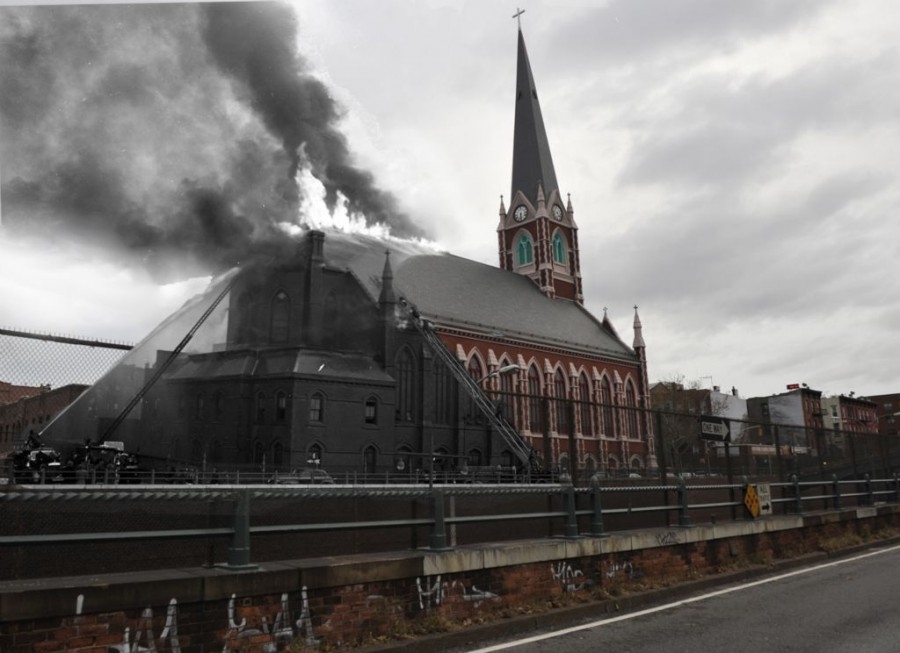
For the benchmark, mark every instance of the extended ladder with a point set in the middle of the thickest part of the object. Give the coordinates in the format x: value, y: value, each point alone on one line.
x: 522, y: 450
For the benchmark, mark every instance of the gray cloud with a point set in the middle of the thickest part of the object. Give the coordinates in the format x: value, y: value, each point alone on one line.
x: 157, y: 131
x: 629, y: 31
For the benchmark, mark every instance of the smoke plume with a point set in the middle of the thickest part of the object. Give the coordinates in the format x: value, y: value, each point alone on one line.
x: 168, y: 132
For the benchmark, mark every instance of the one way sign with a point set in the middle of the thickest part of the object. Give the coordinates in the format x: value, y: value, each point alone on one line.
x: 714, y: 428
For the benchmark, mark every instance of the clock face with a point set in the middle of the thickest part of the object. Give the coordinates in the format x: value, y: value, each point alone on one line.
x: 557, y: 212
x: 521, y: 213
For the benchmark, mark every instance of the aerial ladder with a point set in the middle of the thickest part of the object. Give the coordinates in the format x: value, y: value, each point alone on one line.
x: 517, y: 444
x: 166, y: 364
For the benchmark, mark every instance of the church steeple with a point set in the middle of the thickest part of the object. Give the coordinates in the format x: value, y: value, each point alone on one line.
x: 537, y: 236
x: 532, y: 161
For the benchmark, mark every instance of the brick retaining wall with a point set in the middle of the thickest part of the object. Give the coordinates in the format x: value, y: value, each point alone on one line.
x: 353, y: 600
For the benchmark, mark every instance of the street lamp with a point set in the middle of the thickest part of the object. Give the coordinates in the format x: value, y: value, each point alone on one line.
x: 506, y: 369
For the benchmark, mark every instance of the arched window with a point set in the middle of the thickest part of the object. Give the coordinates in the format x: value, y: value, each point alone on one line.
x: 475, y: 368
x: 315, y: 455
x: 406, y: 387
x: 200, y: 412
x: 277, y: 454
x: 370, y: 459
x: 584, y: 405
x: 317, y: 408
x: 560, y: 403
x: 259, y: 453
x: 606, y: 408
x: 612, y: 464
x: 524, y: 249
x: 281, y: 317
x: 559, y: 248
x: 474, y: 458
x: 534, y: 399
x: 260, y: 407
x: 632, y: 411
x: 280, y: 406
x: 477, y: 372
x: 444, y: 393
x: 370, y: 414
x: 402, y: 460
x: 506, y: 400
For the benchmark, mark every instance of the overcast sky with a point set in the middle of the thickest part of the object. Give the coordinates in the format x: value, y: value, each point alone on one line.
x: 733, y: 165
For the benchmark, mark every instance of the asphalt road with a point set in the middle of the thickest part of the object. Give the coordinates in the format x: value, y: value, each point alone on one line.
x: 845, y: 605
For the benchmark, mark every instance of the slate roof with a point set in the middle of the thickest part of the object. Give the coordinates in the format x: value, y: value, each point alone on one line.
x: 454, y: 291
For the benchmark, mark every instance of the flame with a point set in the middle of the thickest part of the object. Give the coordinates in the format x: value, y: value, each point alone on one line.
x: 314, y: 214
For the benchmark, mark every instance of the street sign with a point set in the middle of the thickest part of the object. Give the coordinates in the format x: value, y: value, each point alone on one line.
x: 751, y: 500
x: 714, y: 428
x: 758, y: 499
x: 764, y: 492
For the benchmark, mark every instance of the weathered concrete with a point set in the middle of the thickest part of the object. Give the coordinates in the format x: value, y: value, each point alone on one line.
x: 347, y: 598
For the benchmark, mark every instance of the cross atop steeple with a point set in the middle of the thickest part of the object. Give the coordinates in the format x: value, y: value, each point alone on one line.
x: 518, y: 16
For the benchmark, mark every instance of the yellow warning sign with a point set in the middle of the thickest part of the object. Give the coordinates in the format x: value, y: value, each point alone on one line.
x: 751, y: 500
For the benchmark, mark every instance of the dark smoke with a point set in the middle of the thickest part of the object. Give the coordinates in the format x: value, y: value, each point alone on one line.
x: 119, y: 128
x: 255, y: 43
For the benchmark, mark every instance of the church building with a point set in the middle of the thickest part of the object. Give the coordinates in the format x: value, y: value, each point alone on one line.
x: 358, y: 354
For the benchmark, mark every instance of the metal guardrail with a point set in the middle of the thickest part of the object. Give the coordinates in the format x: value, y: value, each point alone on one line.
x: 795, y: 497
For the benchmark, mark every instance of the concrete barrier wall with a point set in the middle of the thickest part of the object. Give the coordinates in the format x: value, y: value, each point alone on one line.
x: 366, y: 598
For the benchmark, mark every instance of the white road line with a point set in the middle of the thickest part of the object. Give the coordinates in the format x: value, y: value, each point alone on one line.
x: 670, y: 606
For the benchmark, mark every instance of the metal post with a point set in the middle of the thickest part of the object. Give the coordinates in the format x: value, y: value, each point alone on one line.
x: 729, y: 474
x: 239, y: 551
x: 684, y: 518
x: 837, y: 491
x: 596, y: 510
x: 896, y: 488
x: 798, y: 498
x: 568, y: 496
x: 870, y: 492
x: 438, y: 529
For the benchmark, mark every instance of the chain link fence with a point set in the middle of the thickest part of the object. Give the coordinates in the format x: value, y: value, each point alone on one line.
x: 41, y: 359
x: 582, y: 438
x: 41, y: 374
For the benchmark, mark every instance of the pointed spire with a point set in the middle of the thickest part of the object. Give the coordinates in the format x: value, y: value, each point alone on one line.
x: 541, y: 200
x: 569, y: 208
x: 638, y: 330
x: 532, y: 162
x: 387, y: 282
x: 502, y: 208
x: 607, y: 323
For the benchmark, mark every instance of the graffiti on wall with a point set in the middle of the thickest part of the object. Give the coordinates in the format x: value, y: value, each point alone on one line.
x: 282, y: 633
x: 572, y: 580
x: 615, y: 570
x: 144, y: 640
x: 667, y: 538
x: 432, y: 594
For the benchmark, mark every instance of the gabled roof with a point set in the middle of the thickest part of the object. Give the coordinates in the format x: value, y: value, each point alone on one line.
x: 532, y: 162
x: 456, y: 292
